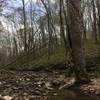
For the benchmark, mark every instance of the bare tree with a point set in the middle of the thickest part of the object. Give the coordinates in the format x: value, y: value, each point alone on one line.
x: 94, y: 22
x: 25, y: 34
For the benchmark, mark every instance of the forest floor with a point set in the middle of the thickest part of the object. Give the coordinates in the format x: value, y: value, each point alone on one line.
x: 32, y: 85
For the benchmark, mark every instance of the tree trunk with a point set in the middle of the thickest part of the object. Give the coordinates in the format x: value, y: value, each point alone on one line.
x: 50, y: 35
x: 25, y: 36
x: 76, y: 30
x: 98, y: 7
x: 94, y: 22
x: 62, y: 29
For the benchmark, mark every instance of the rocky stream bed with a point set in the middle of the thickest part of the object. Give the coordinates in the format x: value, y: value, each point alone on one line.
x: 32, y: 85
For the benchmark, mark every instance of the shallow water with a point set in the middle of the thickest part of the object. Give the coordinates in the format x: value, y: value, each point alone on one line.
x: 71, y: 95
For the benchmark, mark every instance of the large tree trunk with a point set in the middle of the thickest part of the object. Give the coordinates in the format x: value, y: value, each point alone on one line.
x: 76, y: 30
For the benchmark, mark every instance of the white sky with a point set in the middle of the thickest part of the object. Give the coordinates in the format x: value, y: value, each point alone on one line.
x: 15, y: 3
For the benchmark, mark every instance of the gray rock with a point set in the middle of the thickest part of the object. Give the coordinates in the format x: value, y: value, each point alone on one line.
x: 32, y: 98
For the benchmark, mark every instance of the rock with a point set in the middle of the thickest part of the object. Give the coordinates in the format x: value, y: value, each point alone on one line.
x: 55, y: 83
x: 93, y: 87
x: 27, y: 79
x: 55, y: 94
x: 7, y: 98
x: 32, y: 98
x: 0, y: 83
x: 48, y: 86
x: 37, y: 92
x: 25, y: 94
x: 97, y: 92
x: 1, y: 97
x: 44, y: 94
x: 39, y: 84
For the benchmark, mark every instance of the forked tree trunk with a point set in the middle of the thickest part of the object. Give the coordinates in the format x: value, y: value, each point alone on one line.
x: 76, y: 30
